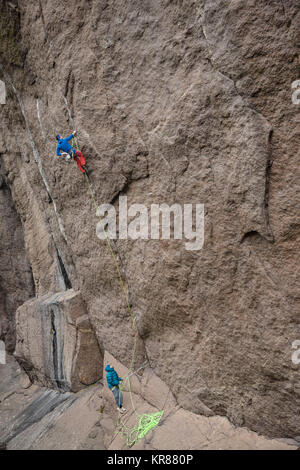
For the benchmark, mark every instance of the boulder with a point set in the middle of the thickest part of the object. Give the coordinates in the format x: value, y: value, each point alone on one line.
x: 55, y: 343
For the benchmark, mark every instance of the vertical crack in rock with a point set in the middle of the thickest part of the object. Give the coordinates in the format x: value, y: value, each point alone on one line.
x: 267, y: 185
x: 69, y: 92
x: 57, y: 354
x: 54, y: 349
x: 69, y: 111
x: 39, y: 118
x: 37, y: 156
x: 30, y: 278
x: 60, y: 352
x: 63, y: 271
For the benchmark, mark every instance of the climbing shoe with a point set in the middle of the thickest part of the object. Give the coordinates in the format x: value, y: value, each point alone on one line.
x: 122, y: 410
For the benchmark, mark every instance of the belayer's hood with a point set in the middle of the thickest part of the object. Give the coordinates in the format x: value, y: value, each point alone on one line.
x: 59, y: 139
x: 108, y: 368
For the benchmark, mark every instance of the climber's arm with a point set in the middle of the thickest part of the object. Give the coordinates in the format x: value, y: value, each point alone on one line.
x: 71, y: 136
x: 60, y: 153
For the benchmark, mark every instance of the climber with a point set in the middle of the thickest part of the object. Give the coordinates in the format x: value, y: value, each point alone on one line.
x: 66, y: 150
x: 113, y: 381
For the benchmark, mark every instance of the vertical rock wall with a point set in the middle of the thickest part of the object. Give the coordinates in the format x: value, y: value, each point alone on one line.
x: 174, y: 101
x: 16, y: 281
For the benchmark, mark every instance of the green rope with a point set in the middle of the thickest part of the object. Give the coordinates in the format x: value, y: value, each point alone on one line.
x: 146, y: 422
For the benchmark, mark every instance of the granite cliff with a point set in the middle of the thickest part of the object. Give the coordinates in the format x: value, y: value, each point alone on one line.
x: 174, y: 102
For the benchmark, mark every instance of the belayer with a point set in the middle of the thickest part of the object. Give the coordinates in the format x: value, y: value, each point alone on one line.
x: 66, y: 150
x: 113, y: 381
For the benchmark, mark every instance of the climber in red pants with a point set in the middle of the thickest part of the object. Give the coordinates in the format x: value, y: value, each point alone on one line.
x: 65, y: 149
x: 80, y: 160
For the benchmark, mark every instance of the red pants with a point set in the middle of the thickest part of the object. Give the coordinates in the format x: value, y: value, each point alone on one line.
x: 80, y: 160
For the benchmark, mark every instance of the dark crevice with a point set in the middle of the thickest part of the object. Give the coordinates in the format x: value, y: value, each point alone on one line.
x: 69, y: 90
x: 254, y: 234
x: 251, y: 234
x: 31, y: 282
x: 268, y: 170
x: 267, y: 183
x: 50, y: 200
x: 63, y: 271
x: 67, y: 84
x: 54, y: 350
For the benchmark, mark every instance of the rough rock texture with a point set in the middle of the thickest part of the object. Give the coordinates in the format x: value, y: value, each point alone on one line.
x: 43, y: 419
x: 16, y: 283
x: 174, y: 101
x: 178, y: 428
x: 55, y: 343
x: 39, y: 418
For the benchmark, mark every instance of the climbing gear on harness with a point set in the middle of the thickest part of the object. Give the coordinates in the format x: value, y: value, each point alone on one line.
x: 78, y: 156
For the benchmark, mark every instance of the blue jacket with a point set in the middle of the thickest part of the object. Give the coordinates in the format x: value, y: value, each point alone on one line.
x: 63, y: 144
x: 112, y: 377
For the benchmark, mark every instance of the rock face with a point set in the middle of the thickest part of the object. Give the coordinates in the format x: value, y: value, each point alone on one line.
x: 178, y: 428
x: 55, y: 343
x: 174, y: 102
x: 16, y: 282
x: 43, y: 419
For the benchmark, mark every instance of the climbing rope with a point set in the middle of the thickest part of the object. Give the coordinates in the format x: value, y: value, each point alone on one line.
x: 146, y: 421
x: 145, y: 424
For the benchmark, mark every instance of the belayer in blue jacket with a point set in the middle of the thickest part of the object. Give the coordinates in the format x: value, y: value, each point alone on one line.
x: 65, y: 149
x: 113, y: 381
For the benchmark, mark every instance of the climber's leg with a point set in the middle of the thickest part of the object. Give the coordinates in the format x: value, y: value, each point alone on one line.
x: 118, y: 397
x: 86, y: 170
x: 80, y: 160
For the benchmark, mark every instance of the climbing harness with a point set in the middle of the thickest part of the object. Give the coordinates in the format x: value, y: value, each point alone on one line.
x: 75, y: 142
x: 146, y: 422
